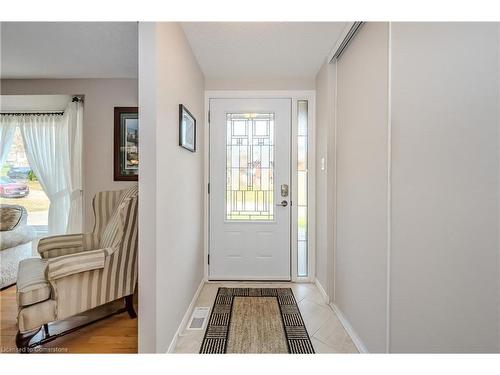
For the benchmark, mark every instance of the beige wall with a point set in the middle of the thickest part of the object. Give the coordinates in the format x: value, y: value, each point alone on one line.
x: 177, y: 195
x: 325, y: 178
x: 361, y: 245
x: 444, y: 270
x: 147, y: 189
x: 417, y: 247
x: 101, y: 96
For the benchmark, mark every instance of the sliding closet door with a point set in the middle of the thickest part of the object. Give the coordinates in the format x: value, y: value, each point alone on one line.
x: 444, y: 279
x: 361, y: 246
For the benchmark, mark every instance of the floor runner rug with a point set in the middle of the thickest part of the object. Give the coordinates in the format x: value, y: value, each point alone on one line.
x: 256, y: 320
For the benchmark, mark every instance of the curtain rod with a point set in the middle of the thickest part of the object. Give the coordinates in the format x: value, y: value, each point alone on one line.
x: 58, y: 113
x: 31, y: 113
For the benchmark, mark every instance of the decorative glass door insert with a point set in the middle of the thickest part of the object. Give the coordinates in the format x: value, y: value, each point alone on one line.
x: 250, y: 166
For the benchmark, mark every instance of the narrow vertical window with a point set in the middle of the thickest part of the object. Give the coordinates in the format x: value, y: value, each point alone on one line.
x: 302, y: 177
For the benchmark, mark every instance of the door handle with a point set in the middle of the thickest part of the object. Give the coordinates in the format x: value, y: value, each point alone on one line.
x: 282, y: 204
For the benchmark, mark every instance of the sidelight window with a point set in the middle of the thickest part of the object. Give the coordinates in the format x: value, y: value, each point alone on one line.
x: 302, y: 185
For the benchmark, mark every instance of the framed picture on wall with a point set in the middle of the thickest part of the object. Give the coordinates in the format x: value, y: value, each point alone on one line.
x: 126, y: 144
x: 187, y: 129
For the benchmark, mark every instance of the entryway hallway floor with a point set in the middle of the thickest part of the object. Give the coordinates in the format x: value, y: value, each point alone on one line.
x: 325, y: 330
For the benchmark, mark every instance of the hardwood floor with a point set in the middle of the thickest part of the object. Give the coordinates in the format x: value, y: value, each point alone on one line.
x: 116, y: 334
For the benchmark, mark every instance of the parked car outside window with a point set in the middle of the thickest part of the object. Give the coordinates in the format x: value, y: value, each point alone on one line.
x: 19, y: 173
x: 10, y: 188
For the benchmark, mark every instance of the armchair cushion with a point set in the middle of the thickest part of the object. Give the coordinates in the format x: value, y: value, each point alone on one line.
x: 54, y: 246
x: 66, y: 265
x: 113, y: 231
x: 32, y: 286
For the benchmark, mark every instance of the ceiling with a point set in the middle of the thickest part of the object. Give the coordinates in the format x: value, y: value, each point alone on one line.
x: 262, y: 49
x: 110, y: 49
x: 69, y: 50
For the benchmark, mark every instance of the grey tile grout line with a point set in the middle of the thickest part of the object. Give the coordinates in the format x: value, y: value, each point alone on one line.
x: 324, y: 343
x: 327, y: 319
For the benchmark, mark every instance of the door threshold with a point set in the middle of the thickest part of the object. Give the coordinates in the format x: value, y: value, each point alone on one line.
x: 249, y: 281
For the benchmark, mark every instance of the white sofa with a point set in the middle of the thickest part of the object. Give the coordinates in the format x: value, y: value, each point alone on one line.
x: 15, y: 241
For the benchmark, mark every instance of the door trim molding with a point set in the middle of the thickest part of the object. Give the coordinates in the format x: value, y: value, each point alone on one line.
x: 294, y: 95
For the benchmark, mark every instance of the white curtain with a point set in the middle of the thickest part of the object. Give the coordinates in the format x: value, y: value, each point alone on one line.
x: 47, y: 149
x: 7, y: 129
x: 53, y: 145
x: 73, y: 118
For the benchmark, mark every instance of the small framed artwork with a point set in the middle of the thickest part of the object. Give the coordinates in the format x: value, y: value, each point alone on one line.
x: 126, y: 144
x: 187, y: 129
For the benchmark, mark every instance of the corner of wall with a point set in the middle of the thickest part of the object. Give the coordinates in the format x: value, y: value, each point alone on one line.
x: 147, y: 189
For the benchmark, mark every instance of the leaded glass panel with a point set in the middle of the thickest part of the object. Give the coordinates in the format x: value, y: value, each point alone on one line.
x: 250, y: 166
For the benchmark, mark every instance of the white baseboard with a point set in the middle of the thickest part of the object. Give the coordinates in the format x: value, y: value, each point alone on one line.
x: 186, y: 317
x: 322, y: 292
x: 360, y: 345
x: 347, y: 326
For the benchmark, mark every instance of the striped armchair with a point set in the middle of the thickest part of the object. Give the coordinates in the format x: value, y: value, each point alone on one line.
x: 77, y: 272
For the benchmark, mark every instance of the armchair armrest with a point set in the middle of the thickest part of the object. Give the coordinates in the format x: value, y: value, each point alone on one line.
x: 75, y: 263
x: 54, y: 246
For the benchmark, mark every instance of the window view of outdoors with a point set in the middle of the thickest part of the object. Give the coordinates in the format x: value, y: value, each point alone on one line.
x: 20, y: 186
x: 302, y: 176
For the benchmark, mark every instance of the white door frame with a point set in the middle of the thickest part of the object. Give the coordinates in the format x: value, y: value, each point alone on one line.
x: 310, y: 96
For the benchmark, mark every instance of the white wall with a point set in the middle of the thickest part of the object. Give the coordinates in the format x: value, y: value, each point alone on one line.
x: 444, y: 270
x: 101, y: 96
x: 325, y: 178
x: 179, y: 189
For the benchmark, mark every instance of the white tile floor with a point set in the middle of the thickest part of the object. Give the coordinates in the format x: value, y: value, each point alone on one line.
x: 326, y: 332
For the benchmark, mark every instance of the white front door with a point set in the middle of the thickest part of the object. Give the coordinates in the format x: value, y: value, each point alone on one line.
x: 250, y: 189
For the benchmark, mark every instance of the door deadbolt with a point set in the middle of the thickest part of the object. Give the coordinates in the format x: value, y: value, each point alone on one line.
x: 284, y: 190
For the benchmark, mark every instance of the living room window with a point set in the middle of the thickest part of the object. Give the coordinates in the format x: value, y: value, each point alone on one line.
x: 20, y: 186
x: 40, y: 160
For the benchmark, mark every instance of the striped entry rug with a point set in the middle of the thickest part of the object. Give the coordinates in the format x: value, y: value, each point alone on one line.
x: 256, y: 320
